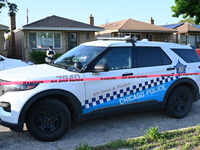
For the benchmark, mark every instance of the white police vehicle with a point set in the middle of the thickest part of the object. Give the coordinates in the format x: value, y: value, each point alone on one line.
x: 8, y: 63
x: 100, y: 78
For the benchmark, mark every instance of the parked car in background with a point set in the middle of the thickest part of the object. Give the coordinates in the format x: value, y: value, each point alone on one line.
x: 198, y: 51
x: 8, y: 63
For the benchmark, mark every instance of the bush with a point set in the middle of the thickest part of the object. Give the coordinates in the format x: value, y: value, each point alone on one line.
x: 57, y: 55
x: 153, y: 133
x: 39, y: 56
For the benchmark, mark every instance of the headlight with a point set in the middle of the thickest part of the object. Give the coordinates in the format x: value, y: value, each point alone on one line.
x: 18, y: 87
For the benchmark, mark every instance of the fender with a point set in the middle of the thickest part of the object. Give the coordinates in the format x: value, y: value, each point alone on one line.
x: 185, y: 82
x: 68, y: 98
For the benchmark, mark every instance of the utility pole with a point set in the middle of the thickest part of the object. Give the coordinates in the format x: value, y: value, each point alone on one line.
x: 12, y: 53
x: 27, y: 19
x: 12, y: 13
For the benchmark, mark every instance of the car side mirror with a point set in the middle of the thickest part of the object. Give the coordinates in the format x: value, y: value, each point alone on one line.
x: 1, y: 59
x: 100, y: 68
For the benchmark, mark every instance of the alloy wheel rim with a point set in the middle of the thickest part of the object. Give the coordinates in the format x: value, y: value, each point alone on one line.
x: 181, y: 103
x: 48, y: 120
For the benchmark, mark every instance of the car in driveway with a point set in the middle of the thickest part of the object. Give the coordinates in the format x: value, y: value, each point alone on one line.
x: 8, y: 63
x: 198, y: 51
x: 99, y: 78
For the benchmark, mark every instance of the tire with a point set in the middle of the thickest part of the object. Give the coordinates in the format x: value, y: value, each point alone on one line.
x: 179, y: 102
x: 48, y: 120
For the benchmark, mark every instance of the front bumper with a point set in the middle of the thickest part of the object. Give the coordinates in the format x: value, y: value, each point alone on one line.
x: 13, y: 127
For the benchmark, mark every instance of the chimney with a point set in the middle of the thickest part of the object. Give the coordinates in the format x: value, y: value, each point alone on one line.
x: 151, y: 21
x: 91, y: 20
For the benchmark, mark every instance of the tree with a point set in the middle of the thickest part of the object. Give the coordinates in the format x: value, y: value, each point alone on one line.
x: 188, y: 19
x: 187, y: 8
x: 2, y: 4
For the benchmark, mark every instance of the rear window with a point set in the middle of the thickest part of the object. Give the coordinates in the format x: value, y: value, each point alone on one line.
x: 188, y: 55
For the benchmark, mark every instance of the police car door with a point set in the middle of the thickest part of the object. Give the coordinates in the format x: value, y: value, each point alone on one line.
x: 110, y: 92
x: 153, y: 61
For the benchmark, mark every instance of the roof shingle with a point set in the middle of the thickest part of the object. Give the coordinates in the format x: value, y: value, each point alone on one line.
x: 56, y: 22
x: 134, y: 26
x: 184, y: 27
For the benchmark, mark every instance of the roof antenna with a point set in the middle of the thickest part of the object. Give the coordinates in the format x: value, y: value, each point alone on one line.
x: 133, y: 40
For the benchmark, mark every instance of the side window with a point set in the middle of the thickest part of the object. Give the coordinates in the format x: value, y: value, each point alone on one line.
x: 152, y: 56
x: 118, y: 58
x: 188, y: 55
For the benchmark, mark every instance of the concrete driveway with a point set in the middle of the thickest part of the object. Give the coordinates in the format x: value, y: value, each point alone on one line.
x: 101, y: 131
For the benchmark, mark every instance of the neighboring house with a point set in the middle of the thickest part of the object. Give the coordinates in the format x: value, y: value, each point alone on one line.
x: 138, y: 29
x: 187, y: 33
x: 60, y: 33
x: 2, y: 39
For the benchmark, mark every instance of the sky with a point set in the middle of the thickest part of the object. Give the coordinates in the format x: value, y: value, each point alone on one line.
x: 103, y: 11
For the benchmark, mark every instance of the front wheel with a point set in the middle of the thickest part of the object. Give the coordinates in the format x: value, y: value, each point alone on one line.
x: 179, y: 103
x: 48, y: 119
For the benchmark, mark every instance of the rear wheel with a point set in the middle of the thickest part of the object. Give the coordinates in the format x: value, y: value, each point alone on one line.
x: 179, y: 102
x: 48, y: 120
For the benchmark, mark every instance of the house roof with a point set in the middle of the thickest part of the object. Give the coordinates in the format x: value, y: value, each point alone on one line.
x: 197, y: 26
x: 130, y: 25
x: 187, y: 27
x: 3, y: 27
x: 184, y: 27
x: 172, y: 26
x: 60, y: 23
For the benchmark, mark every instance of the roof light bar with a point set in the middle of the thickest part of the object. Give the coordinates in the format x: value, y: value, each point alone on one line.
x: 127, y: 39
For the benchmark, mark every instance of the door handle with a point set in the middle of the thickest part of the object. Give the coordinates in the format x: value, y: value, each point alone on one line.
x: 171, y: 68
x: 127, y: 74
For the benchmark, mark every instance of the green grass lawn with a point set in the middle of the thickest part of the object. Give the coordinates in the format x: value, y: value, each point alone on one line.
x: 185, y: 139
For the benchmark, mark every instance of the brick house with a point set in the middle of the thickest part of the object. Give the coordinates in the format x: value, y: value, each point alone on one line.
x: 187, y: 33
x: 60, y: 33
x: 2, y: 39
x: 141, y: 30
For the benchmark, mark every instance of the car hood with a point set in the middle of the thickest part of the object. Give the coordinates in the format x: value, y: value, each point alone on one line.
x: 34, y: 72
x: 8, y: 63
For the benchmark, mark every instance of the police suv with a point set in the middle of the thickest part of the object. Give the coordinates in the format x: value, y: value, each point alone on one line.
x: 103, y: 77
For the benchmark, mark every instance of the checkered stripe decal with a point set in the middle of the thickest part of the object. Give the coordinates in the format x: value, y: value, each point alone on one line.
x: 127, y: 91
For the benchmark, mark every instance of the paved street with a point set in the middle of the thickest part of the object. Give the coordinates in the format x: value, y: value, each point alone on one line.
x: 101, y: 131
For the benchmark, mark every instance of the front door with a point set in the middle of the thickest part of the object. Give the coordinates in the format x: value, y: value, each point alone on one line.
x: 101, y: 94
x: 72, y: 41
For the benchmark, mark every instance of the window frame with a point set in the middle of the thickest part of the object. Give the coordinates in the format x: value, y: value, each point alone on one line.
x: 92, y: 64
x: 161, y: 51
x: 192, y: 51
x: 37, y: 39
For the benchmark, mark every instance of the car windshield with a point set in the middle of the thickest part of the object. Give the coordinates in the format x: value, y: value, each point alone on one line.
x: 82, y: 54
